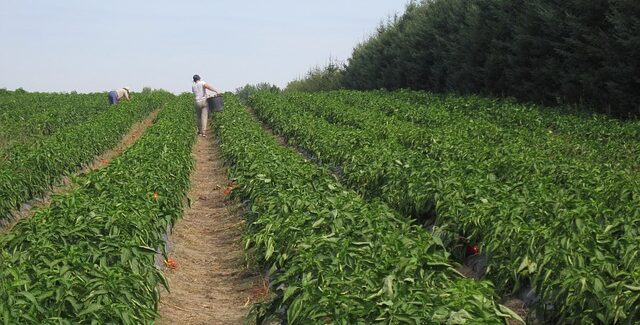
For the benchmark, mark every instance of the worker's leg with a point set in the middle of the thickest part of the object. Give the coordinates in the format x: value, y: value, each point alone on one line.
x: 204, y: 117
x: 198, y: 112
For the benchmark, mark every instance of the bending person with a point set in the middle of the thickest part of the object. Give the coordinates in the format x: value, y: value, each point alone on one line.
x: 115, y: 96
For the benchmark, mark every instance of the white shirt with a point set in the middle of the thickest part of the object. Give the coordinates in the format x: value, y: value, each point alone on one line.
x: 199, y: 91
x: 122, y: 93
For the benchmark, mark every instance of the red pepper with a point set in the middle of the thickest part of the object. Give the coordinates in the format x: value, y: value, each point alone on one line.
x: 472, y: 249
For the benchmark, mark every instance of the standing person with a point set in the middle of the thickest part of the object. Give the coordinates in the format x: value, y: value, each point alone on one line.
x: 116, y: 95
x: 199, y: 88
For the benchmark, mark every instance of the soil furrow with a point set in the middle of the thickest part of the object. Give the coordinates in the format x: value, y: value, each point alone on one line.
x: 208, y: 279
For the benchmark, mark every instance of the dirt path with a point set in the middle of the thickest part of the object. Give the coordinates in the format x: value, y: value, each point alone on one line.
x: 65, y: 184
x: 209, y: 281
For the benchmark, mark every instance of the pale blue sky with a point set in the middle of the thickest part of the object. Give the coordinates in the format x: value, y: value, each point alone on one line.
x: 90, y: 45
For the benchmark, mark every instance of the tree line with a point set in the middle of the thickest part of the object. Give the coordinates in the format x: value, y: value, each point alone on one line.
x: 577, y: 52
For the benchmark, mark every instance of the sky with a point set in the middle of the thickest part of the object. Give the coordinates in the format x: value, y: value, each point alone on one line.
x: 94, y: 46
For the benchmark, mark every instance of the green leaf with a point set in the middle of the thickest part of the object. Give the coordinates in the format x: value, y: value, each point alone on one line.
x: 459, y: 317
x: 270, y: 249
x: 146, y: 249
x: 92, y: 308
x: 30, y: 297
x: 164, y: 281
x: 6, y: 315
x: 293, y: 312
x: 289, y: 292
x: 632, y: 288
x: 388, y: 286
x: 317, y: 223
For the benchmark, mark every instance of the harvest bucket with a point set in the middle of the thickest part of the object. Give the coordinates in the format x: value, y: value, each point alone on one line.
x: 215, y: 103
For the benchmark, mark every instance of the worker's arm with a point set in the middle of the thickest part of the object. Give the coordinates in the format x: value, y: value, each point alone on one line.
x: 206, y: 85
x: 126, y: 95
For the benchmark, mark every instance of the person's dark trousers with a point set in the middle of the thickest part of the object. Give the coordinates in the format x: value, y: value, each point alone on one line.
x: 113, y: 98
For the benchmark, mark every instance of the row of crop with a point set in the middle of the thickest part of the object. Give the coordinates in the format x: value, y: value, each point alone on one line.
x: 509, y: 156
x: 89, y: 257
x: 505, y: 154
x: 597, y: 138
x: 578, y: 252
x: 584, y: 126
x: 28, y: 117
x: 499, y: 126
x: 526, y: 154
x: 28, y: 171
x: 333, y: 257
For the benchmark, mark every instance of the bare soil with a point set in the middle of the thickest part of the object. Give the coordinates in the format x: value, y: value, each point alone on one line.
x: 65, y: 184
x: 467, y: 272
x: 518, y: 307
x: 209, y: 280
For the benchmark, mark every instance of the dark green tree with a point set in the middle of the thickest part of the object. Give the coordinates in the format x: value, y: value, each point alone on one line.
x: 546, y: 51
